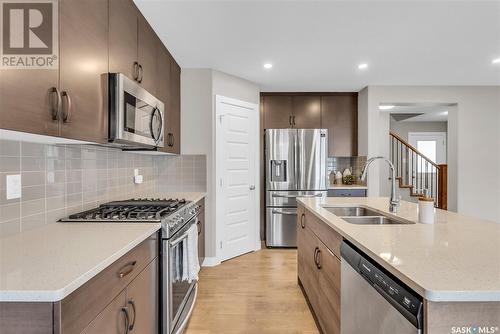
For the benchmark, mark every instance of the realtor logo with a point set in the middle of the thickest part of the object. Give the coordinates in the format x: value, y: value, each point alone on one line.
x: 29, y: 37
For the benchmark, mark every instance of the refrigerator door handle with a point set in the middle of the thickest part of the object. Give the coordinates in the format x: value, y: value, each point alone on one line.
x: 286, y: 213
x: 295, y: 196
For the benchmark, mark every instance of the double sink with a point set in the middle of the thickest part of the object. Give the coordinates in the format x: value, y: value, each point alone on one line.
x: 365, y: 216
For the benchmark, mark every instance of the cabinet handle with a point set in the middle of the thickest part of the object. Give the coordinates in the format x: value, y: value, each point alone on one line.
x: 141, y: 74
x: 67, y: 110
x: 293, y: 120
x: 136, y: 70
x: 290, y: 120
x: 127, y: 319
x: 55, y: 103
x: 317, y: 258
x: 128, y: 268
x: 132, y: 303
x: 199, y: 226
x: 302, y: 220
x: 173, y: 140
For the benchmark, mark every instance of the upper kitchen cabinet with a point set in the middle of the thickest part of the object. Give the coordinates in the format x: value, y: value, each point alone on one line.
x: 292, y: 111
x: 83, y: 61
x: 168, y: 88
x: 340, y: 117
x: 123, y: 38
x: 132, y: 44
x: 29, y: 100
x: 147, y: 53
x: 336, y: 112
x: 174, y: 112
x: 277, y: 111
x: 306, y: 112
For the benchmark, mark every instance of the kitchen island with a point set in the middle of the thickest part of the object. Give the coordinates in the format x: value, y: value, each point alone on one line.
x: 453, y: 264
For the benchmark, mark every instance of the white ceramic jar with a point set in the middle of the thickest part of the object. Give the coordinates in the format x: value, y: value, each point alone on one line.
x: 426, y: 209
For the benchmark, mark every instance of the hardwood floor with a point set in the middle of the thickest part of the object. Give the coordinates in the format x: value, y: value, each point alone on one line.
x: 254, y: 293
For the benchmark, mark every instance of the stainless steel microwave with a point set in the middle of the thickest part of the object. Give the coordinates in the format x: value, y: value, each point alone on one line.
x: 136, y: 118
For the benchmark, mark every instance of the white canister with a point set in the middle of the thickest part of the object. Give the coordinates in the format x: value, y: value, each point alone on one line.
x: 426, y: 209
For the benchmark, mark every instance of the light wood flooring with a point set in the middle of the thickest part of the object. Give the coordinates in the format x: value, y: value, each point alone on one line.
x: 254, y: 293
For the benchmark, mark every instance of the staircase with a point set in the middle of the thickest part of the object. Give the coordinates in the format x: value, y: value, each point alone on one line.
x: 416, y: 172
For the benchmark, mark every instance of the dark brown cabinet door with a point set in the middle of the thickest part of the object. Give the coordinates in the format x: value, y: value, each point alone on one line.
x: 123, y: 38
x: 142, y: 301
x: 84, y: 61
x: 306, y: 112
x: 111, y: 320
x: 175, y: 107
x: 277, y: 111
x: 201, y: 232
x: 26, y: 100
x: 340, y: 117
x: 147, y: 54
x: 328, y: 313
x: 163, y: 92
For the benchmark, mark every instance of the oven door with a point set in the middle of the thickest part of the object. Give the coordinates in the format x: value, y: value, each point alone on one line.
x: 178, y: 295
x: 136, y: 117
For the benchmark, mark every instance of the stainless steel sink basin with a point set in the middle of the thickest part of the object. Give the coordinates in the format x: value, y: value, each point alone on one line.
x: 375, y: 220
x: 352, y: 211
x: 365, y: 216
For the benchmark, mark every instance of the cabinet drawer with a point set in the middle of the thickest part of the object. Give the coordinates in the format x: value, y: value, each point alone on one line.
x: 347, y: 193
x: 325, y: 233
x: 83, y: 305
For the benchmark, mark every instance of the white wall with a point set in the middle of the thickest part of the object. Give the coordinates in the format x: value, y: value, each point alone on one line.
x: 473, y: 148
x: 403, y: 128
x: 198, y: 90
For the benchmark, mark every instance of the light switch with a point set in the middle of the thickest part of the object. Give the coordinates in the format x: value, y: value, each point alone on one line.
x: 13, y: 186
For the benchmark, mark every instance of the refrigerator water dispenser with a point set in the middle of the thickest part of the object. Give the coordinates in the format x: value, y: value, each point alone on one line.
x: 278, y: 170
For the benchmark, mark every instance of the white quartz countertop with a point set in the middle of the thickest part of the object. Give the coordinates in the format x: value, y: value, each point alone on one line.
x: 48, y: 263
x: 347, y: 186
x: 455, y: 259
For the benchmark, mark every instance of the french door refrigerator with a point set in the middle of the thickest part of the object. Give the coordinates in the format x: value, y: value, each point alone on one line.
x: 295, y: 167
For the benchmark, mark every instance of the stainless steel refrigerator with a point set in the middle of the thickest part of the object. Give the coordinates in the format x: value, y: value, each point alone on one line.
x: 295, y: 167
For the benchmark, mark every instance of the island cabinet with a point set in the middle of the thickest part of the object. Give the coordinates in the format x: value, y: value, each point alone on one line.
x: 318, y: 251
x: 124, y: 295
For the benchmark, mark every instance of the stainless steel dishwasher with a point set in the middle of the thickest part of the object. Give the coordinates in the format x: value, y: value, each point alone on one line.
x: 374, y: 301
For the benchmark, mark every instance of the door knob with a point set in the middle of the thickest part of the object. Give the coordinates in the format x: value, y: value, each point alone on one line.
x: 252, y: 187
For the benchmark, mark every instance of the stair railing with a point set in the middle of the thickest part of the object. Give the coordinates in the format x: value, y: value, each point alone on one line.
x: 417, y: 172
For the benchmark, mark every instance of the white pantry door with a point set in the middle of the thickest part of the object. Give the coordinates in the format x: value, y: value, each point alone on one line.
x: 236, y: 176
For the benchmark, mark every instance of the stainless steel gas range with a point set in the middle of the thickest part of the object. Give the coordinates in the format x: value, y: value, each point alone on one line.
x: 176, y: 217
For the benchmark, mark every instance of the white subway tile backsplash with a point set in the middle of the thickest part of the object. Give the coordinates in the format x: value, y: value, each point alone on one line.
x: 58, y: 180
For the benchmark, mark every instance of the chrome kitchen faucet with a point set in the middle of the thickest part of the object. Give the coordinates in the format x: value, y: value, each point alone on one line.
x: 393, y: 201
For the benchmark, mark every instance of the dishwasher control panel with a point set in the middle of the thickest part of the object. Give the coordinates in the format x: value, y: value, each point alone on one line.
x: 394, y: 291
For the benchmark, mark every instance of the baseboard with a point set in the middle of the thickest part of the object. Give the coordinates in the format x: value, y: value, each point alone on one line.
x: 210, y: 262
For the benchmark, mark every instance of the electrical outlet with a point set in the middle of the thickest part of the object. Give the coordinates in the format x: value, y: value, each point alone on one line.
x: 138, y: 179
x: 13, y: 186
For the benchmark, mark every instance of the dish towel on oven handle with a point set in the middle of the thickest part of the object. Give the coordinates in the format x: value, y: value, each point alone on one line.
x: 192, y: 263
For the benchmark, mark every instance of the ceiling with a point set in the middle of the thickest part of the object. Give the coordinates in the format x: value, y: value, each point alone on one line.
x: 420, y: 112
x: 317, y: 46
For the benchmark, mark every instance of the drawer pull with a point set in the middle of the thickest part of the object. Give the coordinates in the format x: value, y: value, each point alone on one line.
x: 302, y: 220
x: 127, y: 269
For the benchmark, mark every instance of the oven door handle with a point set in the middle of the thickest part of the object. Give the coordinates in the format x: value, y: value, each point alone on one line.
x: 178, y: 240
x: 185, y: 234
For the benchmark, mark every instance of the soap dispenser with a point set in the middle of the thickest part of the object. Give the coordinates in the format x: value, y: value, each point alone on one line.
x: 426, y: 208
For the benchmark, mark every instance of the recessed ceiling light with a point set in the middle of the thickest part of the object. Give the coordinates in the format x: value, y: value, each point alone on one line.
x: 268, y: 66
x: 496, y: 61
x: 362, y: 66
x: 386, y: 107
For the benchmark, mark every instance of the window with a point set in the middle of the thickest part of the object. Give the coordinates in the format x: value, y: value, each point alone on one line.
x: 428, y: 148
